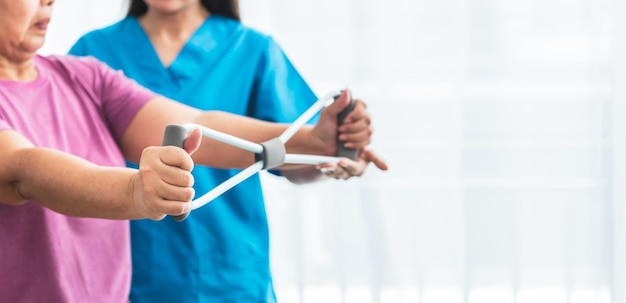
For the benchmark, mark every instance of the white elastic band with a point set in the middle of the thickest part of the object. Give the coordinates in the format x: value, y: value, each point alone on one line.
x: 226, y: 138
x: 307, y: 115
x: 226, y: 185
x: 258, y: 148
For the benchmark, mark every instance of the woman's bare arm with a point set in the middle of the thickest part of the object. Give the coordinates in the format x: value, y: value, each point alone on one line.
x: 75, y: 187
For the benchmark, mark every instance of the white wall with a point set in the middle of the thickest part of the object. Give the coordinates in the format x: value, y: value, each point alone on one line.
x: 73, y: 18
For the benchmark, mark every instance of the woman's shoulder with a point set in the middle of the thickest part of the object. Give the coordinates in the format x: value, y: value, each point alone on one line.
x: 75, y: 68
x: 68, y: 61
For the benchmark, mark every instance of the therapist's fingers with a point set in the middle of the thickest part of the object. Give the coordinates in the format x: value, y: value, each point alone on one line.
x: 340, y: 103
x: 345, y: 169
x: 359, y: 113
x: 369, y: 156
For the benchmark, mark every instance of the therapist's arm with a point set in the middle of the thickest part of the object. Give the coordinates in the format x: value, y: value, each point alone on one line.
x: 146, y: 129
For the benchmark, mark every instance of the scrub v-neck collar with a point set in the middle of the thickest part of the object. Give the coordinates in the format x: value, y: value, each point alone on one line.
x: 204, y: 46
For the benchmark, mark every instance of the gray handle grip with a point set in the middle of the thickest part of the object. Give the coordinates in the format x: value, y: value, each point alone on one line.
x: 175, y: 135
x: 343, y: 151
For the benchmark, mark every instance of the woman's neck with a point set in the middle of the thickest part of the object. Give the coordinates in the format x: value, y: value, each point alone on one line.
x: 23, y: 71
x: 169, y: 32
x: 176, y: 25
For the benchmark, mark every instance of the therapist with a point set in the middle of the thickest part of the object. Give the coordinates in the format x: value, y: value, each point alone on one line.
x: 198, y: 52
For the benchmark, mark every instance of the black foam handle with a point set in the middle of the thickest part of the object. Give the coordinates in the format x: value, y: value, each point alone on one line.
x: 175, y: 135
x: 343, y: 151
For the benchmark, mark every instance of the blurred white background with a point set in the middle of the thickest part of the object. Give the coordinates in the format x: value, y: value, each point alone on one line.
x: 503, y: 123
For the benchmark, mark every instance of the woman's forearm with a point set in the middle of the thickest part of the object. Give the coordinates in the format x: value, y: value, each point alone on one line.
x: 73, y: 186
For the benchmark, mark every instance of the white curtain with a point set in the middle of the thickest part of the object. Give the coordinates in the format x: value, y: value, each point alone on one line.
x: 503, y: 124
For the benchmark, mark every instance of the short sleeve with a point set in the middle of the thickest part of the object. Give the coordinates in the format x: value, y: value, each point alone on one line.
x: 121, y: 97
x: 281, y: 94
x: 78, y: 49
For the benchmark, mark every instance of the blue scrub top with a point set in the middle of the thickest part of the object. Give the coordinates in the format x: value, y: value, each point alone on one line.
x: 220, y: 253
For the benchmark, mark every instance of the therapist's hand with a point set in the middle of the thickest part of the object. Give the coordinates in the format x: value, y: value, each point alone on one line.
x: 346, y: 168
x: 356, y: 130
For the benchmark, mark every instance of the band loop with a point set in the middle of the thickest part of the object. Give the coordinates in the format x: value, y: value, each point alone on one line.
x: 273, y: 153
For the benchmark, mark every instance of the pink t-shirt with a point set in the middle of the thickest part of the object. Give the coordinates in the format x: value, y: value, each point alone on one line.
x: 82, y: 107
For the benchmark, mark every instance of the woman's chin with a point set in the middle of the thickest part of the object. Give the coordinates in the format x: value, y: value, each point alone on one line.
x: 33, y: 45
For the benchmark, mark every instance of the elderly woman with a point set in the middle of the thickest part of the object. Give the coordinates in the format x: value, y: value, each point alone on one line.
x: 66, y: 127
